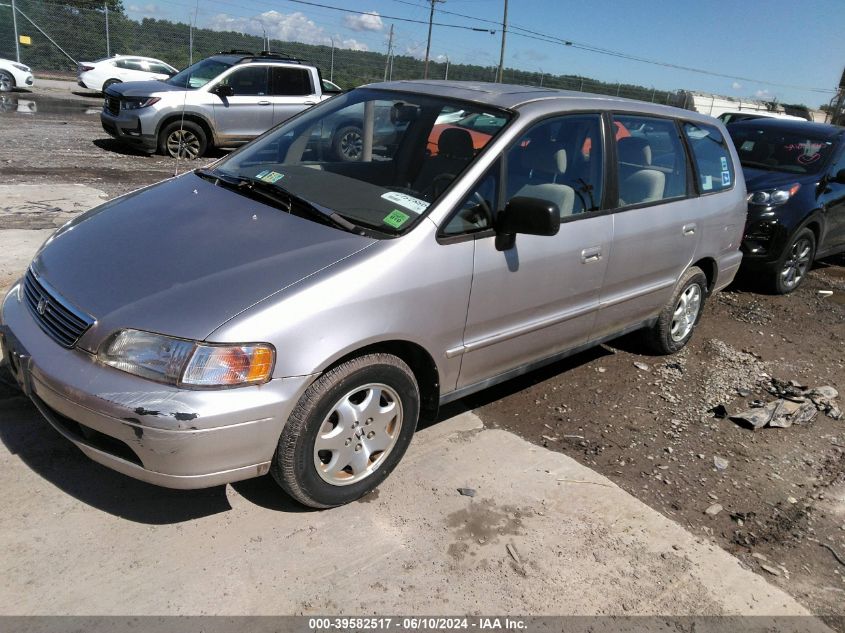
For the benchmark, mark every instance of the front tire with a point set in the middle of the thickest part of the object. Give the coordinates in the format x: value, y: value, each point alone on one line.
x: 348, y: 431
x: 795, y: 263
x: 7, y: 82
x: 679, y: 317
x: 182, y: 139
x: 348, y: 144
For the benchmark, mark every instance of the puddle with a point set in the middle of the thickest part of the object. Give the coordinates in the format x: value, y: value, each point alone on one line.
x: 838, y: 297
x: 26, y: 104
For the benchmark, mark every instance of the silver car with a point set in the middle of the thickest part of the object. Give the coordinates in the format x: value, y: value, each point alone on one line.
x: 286, y: 311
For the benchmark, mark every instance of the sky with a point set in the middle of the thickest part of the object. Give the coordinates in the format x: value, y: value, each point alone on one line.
x: 774, y: 49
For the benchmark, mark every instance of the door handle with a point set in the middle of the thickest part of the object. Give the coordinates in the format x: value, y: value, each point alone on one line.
x: 263, y: 103
x: 591, y: 255
x: 689, y: 229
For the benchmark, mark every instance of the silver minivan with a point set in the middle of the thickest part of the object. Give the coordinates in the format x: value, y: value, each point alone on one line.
x: 286, y: 311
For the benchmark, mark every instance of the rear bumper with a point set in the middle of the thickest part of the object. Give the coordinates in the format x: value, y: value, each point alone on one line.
x: 152, y: 432
x: 728, y: 266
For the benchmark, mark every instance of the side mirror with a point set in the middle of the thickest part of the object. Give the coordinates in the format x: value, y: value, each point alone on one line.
x: 531, y: 216
x: 223, y: 91
x: 839, y: 177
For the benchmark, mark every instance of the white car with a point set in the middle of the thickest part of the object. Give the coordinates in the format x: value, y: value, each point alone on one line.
x: 14, y: 75
x: 101, y: 74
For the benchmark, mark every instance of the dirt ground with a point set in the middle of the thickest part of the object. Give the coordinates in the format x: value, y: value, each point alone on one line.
x: 648, y: 428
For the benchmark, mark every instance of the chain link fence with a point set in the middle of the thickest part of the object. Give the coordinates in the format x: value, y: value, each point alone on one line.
x: 62, y: 36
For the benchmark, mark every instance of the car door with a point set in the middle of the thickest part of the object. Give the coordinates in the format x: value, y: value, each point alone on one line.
x: 656, y: 227
x: 539, y: 297
x: 833, y: 206
x: 248, y: 112
x: 291, y: 91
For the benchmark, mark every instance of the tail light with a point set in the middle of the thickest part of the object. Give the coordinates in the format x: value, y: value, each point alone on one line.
x: 85, y: 69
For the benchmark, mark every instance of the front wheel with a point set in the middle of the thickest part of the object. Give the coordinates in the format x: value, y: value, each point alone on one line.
x: 182, y: 139
x: 348, y: 431
x: 679, y: 317
x: 348, y: 143
x: 795, y: 262
x: 7, y: 82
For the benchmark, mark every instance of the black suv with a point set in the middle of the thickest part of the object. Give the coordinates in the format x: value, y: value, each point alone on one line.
x: 795, y: 175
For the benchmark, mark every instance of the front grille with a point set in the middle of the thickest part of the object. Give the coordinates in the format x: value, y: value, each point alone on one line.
x: 112, y: 104
x: 63, y: 323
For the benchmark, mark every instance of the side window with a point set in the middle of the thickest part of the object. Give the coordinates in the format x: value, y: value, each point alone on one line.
x: 651, y: 161
x: 290, y: 82
x: 560, y: 160
x: 476, y: 211
x: 249, y: 81
x: 160, y: 68
x: 712, y: 158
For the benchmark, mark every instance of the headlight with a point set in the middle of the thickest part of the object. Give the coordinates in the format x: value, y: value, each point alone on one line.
x: 137, y: 104
x: 21, y: 67
x: 187, y: 363
x: 773, y: 197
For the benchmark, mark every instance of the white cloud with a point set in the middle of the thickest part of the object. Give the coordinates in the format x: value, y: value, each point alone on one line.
x: 530, y: 56
x: 288, y: 27
x: 736, y: 85
x: 762, y: 94
x: 142, y: 9
x: 370, y: 21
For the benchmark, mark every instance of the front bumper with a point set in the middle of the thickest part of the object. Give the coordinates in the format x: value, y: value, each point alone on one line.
x: 157, y: 433
x: 129, y: 128
x: 29, y: 80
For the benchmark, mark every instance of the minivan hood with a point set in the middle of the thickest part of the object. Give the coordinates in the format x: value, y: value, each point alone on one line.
x: 141, y: 88
x: 762, y: 179
x: 183, y: 257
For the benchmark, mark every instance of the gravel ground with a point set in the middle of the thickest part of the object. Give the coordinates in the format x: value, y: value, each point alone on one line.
x: 775, y: 497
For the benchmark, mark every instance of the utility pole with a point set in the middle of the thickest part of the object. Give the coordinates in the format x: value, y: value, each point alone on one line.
x: 389, y: 53
x: 428, y: 43
x: 331, y: 68
x: 504, y: 35
x: 447, y: 68
x: 15, y: 27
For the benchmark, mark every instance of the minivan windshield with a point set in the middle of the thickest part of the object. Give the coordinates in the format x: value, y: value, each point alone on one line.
x: 774, y: 149
x: 378, y: 159
x: 199, y: 74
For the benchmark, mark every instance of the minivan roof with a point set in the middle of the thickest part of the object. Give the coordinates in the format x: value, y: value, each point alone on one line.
x: 509, y: 96
x: 790, y: 125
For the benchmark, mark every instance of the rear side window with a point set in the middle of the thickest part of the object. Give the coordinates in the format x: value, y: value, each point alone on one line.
x: 129, y: 64
x: 712, y: 158
x: 290, y: 82
x: 651, y: 161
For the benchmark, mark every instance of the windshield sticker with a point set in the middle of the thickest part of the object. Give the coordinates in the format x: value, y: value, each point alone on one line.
x: 726, y: 179
x: 747, y: 146
x: 724, y: 163
x: 270, y: 176
x: 707, y: 183
x: 396, y: 218
x: 404, y: 200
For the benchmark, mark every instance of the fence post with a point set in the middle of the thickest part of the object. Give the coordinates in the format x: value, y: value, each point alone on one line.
x: 108, y: 41
x: 15, y: 28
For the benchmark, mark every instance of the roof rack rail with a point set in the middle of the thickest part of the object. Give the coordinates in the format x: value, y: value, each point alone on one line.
x: 268, y: 56
x: 236, y: 51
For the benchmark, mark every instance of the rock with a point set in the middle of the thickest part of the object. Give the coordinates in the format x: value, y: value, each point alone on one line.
x: 641, y: 366
x: 713, y: 510
x: 772, y: 570
x: 601, y: 370
x: 805, y: 414
x: 792, y: 500
x: 743, y: 393
x: 834, y: 413
x: 759, y: 556
x: 467, y: 492
x: 514, y: 554
x: 825, y: 293
x: 757, y: 418
x: 720, y: 463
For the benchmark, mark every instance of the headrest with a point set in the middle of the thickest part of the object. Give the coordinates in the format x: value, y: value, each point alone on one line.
x: 544, y: 156
x: 455, y: 143
x: 634, y: 150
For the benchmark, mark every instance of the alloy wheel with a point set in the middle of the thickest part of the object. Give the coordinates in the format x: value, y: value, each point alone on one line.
x: 686, y: 312
x: 183, y: 144
x: 797, y: 263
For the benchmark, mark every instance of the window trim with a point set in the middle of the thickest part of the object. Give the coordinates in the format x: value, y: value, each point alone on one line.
x: 697, y: 178
x: 643, y: 205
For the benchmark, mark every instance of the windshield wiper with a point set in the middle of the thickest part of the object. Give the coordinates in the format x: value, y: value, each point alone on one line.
x: 281, y: 197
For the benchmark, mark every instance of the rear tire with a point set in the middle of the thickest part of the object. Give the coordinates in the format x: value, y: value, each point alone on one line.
x: 348, y: 144
x: 182, y: 139
x: 110, y: 82
x: 7, y: 82
x: 348, y: 431
x: 795, y: 263
x: 679, y: 317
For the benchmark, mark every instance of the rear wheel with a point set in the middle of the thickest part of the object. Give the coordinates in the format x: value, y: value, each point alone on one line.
x: 110, y: 82
x: 679, y: 317
x: 182, y: 139
x: 348, y: 143
x: 795, y: 262
x: 7, y: 82
x: 348, y: 431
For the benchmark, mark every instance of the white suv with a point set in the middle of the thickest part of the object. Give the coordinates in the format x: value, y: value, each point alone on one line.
x: 99, y: 75
x: 224, y: 101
